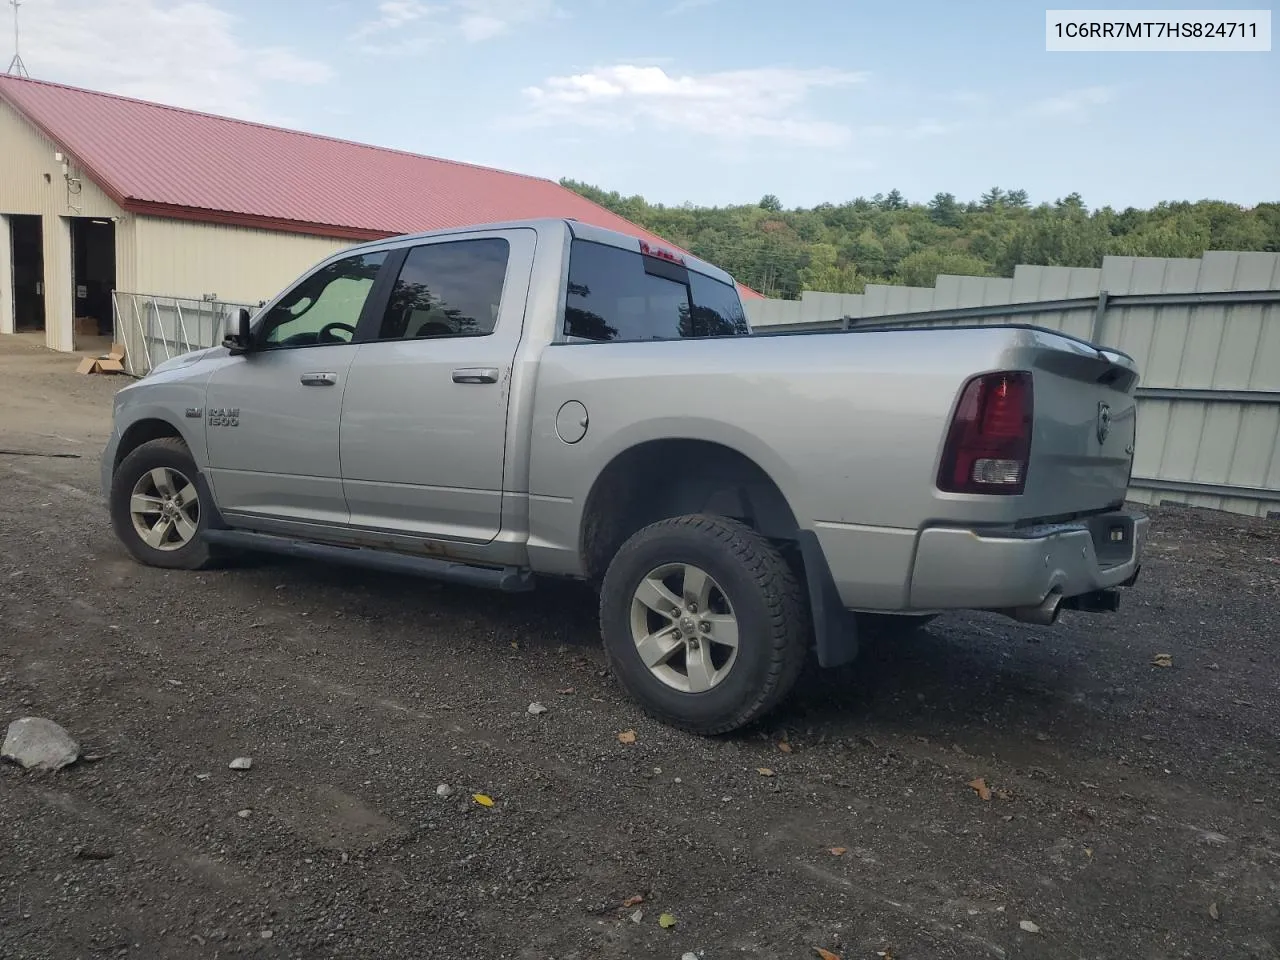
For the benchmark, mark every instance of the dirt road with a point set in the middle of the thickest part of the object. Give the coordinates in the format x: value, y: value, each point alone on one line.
x: 1132, y: 813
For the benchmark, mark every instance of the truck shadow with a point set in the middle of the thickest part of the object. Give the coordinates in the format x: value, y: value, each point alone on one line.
x: 558, y: 612
x: 965, y: 676
x: 960, y: 676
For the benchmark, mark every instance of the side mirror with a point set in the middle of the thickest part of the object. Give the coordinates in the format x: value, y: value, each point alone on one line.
x: 239, y: 341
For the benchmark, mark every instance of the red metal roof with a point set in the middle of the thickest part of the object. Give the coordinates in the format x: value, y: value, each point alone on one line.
x: 165, y: 161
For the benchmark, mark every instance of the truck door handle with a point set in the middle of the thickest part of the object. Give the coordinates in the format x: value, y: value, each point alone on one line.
x: 476, y: 375
x: 319, y: 379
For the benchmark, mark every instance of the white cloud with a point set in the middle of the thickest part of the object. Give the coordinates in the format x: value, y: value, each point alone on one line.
x: 967, y: 98
x: 481, y: 27
x: 408, y: 26
x: 1071, y: 103
x: 685, y: 6
x: 394, y: 15
x: 187, y: 53
x: 921, y: 129
x: 737, y: 104
x: 930, y: 127
x: 283, y: 64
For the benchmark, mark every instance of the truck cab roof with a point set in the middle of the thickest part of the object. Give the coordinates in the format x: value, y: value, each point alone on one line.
x: 575, y: 229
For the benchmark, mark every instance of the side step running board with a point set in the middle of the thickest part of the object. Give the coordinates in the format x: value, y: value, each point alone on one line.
x: 505, y: 579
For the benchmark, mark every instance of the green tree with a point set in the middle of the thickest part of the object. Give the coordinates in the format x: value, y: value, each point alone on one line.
x: 867, y: 252
x: 921, y: 269
x: 1057, y: 242
x: 885, y: 239
x: 897, y: 244
x: 1071, y: 203
x: 824, y: 272
x: 894, y: 200
x: 944, y: 209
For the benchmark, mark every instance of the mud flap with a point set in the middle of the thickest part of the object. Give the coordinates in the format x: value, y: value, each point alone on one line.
x: 835, y: 629
x: 214, y: 520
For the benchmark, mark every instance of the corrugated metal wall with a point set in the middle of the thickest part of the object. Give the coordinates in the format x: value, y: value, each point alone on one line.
x: 1205, y: 334
x: 7, y: 318
x: 31, y: 182
x: 178, y: 258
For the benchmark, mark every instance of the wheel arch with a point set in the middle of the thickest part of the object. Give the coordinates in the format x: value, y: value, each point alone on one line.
x: 657, y: 479
x: 642, y: 485
x: 157, y: 426
x: 144, y: 430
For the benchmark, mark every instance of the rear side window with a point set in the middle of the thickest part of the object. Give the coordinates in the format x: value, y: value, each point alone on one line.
x: 717, y: 308
x: 450, y: 289
x: 619, y: 295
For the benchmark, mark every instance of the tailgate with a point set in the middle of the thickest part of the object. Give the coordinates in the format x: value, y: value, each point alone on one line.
x: 1085, y: 428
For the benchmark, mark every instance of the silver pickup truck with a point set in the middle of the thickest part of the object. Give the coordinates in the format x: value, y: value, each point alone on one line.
x: 516, y: 401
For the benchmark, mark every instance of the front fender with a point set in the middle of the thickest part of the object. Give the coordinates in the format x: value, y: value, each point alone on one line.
x: 174, y: 397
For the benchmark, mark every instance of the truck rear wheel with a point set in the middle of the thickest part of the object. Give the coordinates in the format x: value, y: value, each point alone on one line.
x: 704, y: 623
x: 155, y: 506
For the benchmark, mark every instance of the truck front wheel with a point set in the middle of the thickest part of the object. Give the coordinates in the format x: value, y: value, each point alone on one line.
x: 155, y: 506
x: 704, y: 623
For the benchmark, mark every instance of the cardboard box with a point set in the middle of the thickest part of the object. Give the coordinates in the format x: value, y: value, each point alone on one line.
x: 86, y: 326
x: 110, y: 362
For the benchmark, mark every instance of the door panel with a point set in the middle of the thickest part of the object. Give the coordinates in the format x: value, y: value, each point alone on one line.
x: 424, y: 414
x: 273, y: 414
x: 280, y: 459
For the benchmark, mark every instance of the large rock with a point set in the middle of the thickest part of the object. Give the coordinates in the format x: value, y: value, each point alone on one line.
x: 39, y: 744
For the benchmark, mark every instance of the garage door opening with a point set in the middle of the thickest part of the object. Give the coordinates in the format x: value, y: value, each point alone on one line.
x: 26, y: 234
x: 93, y: 267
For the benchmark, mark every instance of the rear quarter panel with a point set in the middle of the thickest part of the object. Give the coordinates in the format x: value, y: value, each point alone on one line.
x: 849, y: 425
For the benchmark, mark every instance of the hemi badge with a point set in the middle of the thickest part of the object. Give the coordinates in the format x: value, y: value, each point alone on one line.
x: 194, y: 412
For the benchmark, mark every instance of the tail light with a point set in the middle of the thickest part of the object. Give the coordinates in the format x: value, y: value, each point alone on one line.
x: 989, y: 444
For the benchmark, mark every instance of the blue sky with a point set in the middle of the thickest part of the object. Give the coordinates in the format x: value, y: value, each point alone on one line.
x: 702, y: 101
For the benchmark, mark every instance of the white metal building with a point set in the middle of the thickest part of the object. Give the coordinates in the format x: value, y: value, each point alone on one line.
x: 100, y: 193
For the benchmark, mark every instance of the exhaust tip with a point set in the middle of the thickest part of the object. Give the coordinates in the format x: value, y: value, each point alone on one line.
x: 1044, y: 614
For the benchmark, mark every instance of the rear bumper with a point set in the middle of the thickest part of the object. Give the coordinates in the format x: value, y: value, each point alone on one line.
x: 978, y: 570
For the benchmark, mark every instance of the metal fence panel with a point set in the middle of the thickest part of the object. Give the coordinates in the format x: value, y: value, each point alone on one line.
x: 1205, y: 334
x: 156, y: 328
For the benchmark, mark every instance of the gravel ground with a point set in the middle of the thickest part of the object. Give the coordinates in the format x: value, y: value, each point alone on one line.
x: 1132, y: 812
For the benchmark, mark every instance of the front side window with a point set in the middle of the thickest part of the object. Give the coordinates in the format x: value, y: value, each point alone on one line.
x: 325, y: 307
x: 450, y: 289
x: 620, y: 295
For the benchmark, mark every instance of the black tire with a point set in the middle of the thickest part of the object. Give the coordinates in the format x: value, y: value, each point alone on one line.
x: 168, y: 453
x: 766, y: 600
